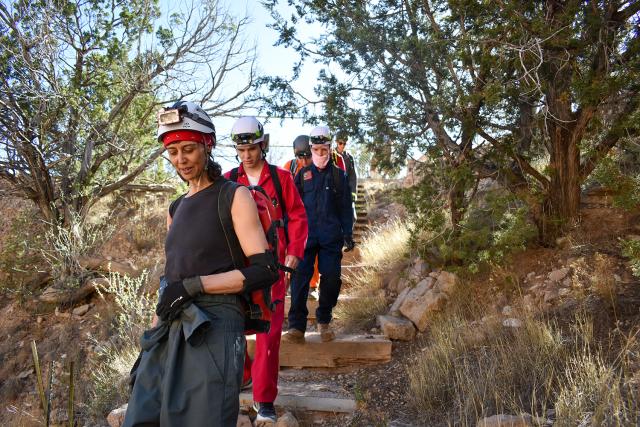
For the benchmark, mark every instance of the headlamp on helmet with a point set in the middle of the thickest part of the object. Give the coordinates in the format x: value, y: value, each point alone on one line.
x: 247, y: 130
x: 184, y: 116
x: 168, y: 117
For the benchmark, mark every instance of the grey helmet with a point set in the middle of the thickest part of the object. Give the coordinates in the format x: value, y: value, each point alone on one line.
x: 301, y: 146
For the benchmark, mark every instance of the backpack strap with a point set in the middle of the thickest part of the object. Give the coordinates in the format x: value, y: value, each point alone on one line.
x: 233, y: 176
x: 173, y: 207
x: 337, y: 179
x: 273, y: 170
x: 293, y: 164
x: 225, y: 198
x: 253, y: 317
x: 298, y: 180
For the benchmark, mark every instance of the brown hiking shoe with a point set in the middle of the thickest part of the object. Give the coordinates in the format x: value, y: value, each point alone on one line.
x: 293, y: 336
x: 326, y: 333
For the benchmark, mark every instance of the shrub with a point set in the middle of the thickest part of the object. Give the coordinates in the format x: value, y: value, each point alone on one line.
x: 67, y: 243
x: 494, y: 227
x: 383, y: 247
x: 631, y: 250
x: 109, y: 386
x: 467, y: 371
x: 625, y: 185
x: 21, y: 254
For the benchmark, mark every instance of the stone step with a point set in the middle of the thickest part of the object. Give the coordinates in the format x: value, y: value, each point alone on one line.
x: 305, y: 396
x: 345, y: 350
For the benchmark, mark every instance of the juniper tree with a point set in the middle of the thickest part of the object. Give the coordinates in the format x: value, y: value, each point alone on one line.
x: 485, y: 88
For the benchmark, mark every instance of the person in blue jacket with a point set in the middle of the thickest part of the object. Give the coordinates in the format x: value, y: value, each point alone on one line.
x: 326, y: 195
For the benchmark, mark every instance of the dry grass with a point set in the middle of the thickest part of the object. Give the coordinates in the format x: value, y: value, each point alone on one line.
x: 382, y: 248
x: 603, y: 281
x: 109, y: 378
x: 385, y: 245
x: 470, y: 369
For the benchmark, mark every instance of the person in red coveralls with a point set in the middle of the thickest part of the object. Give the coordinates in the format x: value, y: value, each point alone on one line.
x: 248, y: 136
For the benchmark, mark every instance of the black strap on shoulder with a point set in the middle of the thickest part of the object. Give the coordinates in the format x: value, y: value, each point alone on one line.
x: 173, y: 207
x: 337, y: 179
x: 298, y: 180
x: 273, y: 170
x: 233, y: 176
x: 225, y: 199
x: 292, y: 166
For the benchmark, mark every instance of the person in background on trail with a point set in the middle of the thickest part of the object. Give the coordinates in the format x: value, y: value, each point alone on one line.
x: 302, y: 153
x: 349, y: 162
x: 190, y: 370
x: 248, y: 136
x: 327, y: 200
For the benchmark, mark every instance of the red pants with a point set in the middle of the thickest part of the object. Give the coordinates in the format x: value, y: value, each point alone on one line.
x: 264, y: 367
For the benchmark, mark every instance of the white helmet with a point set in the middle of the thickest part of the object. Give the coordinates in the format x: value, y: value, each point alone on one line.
x: 247, y: 130
x: 320, y: 135
x: 184, y: 115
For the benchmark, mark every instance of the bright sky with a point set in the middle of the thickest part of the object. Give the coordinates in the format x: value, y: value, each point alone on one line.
x: 272, y: 61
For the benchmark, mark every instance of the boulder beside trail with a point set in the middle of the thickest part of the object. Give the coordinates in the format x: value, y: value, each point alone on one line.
x: 287, y: 420
x: 116, y: 417
x: 421, y: 302
x: 397, y: 328
x: 503, y: 420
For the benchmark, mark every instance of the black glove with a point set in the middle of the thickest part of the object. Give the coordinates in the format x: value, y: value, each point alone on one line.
x: 176, y: 296
x: 349, y: 244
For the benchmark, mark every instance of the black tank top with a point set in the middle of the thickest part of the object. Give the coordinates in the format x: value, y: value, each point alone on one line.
x: 196, y: 244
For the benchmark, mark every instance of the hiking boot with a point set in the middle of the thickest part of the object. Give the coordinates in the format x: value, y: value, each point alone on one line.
x: 326, y: 333
x: 266, y: 414
x: 293, y: 336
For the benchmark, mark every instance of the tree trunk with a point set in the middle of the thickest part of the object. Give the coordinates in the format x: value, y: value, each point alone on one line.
x: 562, y: 203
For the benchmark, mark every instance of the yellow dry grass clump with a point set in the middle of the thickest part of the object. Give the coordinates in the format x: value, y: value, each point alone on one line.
x: 470, y: 369
x: 383, y: 247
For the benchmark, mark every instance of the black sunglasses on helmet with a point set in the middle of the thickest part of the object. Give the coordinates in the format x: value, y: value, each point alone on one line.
x: 303, y: 155
x: 320, y: 139
x: 244, y: 138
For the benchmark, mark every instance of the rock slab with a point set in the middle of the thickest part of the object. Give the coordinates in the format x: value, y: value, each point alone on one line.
x: 397, y: 328
x: 395, y: 307
x: 421, y: 302
x: 116, y: 417
x: 503, y: 420
x: 287, y: 420
x: 447, y: 282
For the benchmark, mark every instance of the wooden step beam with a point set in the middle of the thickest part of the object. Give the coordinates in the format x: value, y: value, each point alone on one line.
x: 345, y: 350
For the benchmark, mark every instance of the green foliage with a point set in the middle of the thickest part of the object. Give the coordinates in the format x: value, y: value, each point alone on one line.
x: 625, y: 186
x: 493, y: 227
x: 483, y: 88
x: 631, y: 250
x: 83, y: 79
